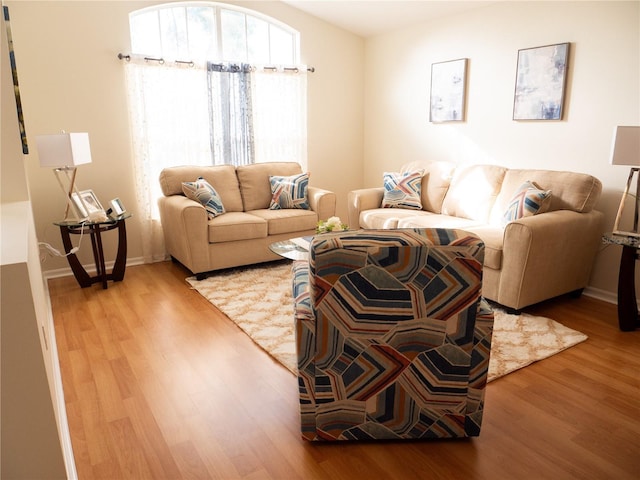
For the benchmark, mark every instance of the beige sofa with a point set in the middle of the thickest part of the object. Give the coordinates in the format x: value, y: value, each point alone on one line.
x: 241, y: 235
x: 527, y: 260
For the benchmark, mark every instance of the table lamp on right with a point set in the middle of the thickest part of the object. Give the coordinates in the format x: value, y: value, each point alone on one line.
x: 626, y: 151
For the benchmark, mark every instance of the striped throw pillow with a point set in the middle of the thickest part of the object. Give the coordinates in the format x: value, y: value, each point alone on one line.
x: 528, y: 200
x: 201, y: 191
x: 289, y: 192
x: 402, y: 191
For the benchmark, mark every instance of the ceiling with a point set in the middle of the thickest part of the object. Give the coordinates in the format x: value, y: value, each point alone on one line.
x: 368, y: 18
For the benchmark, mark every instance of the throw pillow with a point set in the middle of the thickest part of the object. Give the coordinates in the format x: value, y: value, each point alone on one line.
x: 289, y: 192
x: 528, y: 200
x: 201, y: 191
x: 402, y: 191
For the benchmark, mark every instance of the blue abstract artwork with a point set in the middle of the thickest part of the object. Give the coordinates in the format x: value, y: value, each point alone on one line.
x: 540, y: 82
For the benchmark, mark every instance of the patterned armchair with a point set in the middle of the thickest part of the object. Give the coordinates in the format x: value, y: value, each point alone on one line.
x: 393, y: 336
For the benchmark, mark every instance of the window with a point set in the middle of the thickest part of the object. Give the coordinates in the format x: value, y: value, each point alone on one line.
x: 199, y: 94
x: 200, y: 32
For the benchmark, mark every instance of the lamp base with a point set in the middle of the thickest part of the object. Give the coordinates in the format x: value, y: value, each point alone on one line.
x: 68, y: 174
x: 616, y: 224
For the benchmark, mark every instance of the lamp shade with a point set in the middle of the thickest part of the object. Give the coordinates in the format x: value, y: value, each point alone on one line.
x: 626, y: 146
x: 63, y: 149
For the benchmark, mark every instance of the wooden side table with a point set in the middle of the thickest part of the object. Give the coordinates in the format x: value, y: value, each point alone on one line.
x: 628, y: 318
x: 95, y: 229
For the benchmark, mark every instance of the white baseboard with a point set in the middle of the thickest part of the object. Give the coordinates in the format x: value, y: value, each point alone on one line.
x: 91, y: 269
x: 605, y: 296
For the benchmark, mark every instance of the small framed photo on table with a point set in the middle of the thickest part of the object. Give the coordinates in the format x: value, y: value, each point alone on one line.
x: 86, y: 203
x: 117, y: 208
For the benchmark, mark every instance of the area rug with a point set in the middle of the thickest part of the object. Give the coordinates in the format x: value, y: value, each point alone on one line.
x: 258, y: 299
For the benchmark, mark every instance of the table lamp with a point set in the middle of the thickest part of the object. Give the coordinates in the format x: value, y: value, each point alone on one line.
x: 626, y: 151
x: 64, y: 152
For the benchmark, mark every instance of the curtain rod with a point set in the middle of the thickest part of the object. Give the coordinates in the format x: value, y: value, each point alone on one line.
x: 126, y: 57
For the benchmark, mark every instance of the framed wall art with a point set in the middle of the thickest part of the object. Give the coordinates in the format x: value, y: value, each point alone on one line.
x: 448, y: 88
x: 16, y: 87
x: 541, y: 78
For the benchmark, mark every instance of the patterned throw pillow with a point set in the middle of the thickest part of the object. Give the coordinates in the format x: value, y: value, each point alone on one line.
x: 528, y: 200
x: 289, y: 192
x: 201, y: 191
x: 402, y: 191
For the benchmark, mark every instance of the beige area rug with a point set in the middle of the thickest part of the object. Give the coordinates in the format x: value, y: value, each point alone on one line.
x: 258, y: 299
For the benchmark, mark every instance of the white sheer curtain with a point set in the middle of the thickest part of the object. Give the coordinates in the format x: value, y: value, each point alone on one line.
x: 194, y: 115
x: 169, y: 126
x: 280, y: 114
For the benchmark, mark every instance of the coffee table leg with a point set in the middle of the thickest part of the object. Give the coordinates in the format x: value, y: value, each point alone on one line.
x: 627, y: 305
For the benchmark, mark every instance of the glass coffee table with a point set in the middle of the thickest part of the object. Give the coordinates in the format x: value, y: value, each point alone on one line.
x: 293, y: 249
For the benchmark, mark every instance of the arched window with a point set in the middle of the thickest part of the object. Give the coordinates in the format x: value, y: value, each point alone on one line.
x: 212, y: 31
x: 208, y: 84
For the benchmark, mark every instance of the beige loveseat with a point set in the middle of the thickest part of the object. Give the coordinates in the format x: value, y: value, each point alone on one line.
x: 241, y: 235
x: 527, y: 260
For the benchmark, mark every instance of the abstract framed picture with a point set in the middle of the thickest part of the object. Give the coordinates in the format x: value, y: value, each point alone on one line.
x: 16, y: 87
x: 541, y: 78
x: 448, y: 88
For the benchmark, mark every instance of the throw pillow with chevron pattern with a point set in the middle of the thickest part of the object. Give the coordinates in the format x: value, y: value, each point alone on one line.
x: 402, y: 191
x: 289, y: 192
x: 528, y: 200
x: 202, y: 191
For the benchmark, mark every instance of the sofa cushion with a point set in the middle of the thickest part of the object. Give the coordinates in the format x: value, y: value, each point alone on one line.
x: 221, y: 177
x: 234, y: 226
x: 202, y: 192
x: 436, y: 220
x: 287, y: 220
x: 385, y: 218
x: 435, y: 182
x: 493, y: 238
x: 254, y: 182
x: 473, y: 192
x: 289, y: 192
x: 402, y: 190
x: 527, y: 200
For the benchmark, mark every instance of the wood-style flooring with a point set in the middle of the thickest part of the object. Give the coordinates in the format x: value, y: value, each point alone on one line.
x: 159, y: 384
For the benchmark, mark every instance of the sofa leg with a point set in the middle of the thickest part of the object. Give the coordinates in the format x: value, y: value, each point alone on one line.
x: 576, y: 293
x: 512, y: 311
x: 201, y: 276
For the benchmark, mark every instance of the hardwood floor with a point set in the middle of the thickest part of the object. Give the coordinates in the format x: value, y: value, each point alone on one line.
x: 159, y: 384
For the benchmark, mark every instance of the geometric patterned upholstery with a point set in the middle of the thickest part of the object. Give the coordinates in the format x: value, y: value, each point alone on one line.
x: 392, y: 335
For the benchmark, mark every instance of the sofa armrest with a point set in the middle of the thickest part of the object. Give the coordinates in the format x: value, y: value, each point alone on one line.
x: 185, y: 228
x: 551, y: 254
x: 321, y: 201
x: 363, y: 199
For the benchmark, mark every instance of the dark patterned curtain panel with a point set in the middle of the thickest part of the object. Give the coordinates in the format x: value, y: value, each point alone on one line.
x: 230, y: 110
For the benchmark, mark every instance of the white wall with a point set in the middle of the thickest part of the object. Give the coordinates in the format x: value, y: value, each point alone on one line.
x: 71, y: 80
x: 602, y: 91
